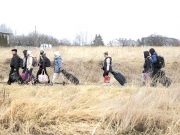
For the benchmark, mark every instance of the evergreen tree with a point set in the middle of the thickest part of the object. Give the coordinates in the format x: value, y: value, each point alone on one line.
x: 98, y: 41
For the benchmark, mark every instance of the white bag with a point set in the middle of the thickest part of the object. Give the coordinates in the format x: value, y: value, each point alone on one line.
x: 43, y: 78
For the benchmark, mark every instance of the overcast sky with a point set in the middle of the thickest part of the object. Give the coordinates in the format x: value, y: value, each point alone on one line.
x: 110, y: 18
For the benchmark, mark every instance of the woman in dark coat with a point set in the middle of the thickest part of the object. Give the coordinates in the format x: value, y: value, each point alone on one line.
x: 42, y: 65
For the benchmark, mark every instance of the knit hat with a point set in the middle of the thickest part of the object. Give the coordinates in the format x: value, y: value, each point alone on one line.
x: 41, y: 51
x: 29, y: 52
x: 56, y: 53
x: 146, y: 54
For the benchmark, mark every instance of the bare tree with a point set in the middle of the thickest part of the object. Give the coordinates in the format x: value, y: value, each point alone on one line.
x: 64, y: 41
x: 4, y: 28
x: 158, y: 40
x: 34, y: 39
x: 81, y: 39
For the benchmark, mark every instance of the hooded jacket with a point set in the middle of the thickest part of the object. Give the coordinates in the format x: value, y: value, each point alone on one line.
x: 42, y: 61
x: 29, y: 60
x: 154, y: 57
x: 148, y: 63
x: 57, y: 64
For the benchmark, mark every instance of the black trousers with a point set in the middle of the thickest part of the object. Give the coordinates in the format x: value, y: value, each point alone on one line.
x: 106, y: 73
x: 24, y: 70
x: 12, y: 71
x: 40, y: 71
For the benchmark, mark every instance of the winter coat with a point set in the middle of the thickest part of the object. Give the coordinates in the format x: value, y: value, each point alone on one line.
x: 57, y: 64
x: 154, y: 57
x: 15, y: 62
x: 29, y: 62
x: 148, y: 63
x: 155, y: 68
x: 42, y: 61
x: 107, y: 64
x: 25, y: 59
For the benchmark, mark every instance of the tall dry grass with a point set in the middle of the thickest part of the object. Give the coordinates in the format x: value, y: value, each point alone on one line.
x: 93, y: 109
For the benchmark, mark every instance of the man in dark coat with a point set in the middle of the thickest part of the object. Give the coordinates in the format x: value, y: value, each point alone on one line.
x: 14, y: 65
x: 42, y: 65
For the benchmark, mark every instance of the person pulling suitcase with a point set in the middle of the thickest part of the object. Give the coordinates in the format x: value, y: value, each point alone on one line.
x: 107, y: 67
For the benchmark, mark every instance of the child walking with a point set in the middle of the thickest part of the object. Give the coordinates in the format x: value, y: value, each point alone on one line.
x: 57, y: 68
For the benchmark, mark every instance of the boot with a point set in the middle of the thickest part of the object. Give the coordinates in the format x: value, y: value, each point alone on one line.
x: 64, y: 83
x: 9, y: 83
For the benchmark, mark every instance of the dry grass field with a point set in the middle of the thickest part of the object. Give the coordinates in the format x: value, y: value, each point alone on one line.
x: 91, y: 108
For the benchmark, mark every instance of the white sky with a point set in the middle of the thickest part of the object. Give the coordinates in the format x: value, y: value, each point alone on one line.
x: 110, y: 18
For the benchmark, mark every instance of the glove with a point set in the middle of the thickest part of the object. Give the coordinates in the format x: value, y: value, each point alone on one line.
x: 61, y: 69
x: 102, y: 68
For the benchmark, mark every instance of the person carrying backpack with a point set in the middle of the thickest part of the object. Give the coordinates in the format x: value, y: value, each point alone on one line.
x: 158, y: 63
x: 154, y: 61
x: 29, y: 67
x: 107, y: 67
x: 43, y: 63
x: 147, y: 67
x: 57, y: 68
x: 15, y: 65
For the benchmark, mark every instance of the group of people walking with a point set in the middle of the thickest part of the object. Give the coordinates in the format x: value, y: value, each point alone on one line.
x: 29, y: 62
x: 151, y: 73
x: 152, y: 68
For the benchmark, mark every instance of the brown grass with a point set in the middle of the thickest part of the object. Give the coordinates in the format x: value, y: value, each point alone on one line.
x: 93, y: 109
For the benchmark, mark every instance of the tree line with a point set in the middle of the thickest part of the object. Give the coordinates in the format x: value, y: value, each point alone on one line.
x: 81, y: 39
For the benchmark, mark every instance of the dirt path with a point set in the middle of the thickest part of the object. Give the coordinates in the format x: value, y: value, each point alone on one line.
x: 128, y: 85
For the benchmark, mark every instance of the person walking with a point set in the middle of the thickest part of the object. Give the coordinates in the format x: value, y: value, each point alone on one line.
x: 29, y: 67
x: 15, y: 63
x: 157, y: 73
x: 57, y: 68
x: 42, y: 65
x: 107, y: 67
x: 24, y: 61
x: 147, y: 67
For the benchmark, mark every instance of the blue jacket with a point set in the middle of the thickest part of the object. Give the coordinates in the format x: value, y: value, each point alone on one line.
x: 154, y: 57
x: 57, y: 64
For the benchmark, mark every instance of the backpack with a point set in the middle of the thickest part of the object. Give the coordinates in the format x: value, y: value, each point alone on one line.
x: 48, y: 62
x: 160, y: 62
x: 34, y: 63
x: 20, y: 62
x: 112, y: 61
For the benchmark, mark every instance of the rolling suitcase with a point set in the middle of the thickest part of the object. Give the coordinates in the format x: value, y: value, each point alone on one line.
x: 119, y: 77
x: 70, y: 77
